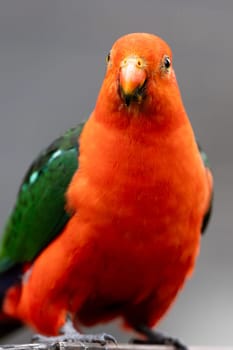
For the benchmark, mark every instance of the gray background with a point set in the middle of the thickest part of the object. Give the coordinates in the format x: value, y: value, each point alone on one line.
x: 52, y: 61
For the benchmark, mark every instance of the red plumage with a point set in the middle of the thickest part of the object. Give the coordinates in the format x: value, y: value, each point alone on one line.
x: 138, y: 201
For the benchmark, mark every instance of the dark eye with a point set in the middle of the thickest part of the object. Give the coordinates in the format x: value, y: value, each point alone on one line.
x: 167, y: 62
x: 107, y: 58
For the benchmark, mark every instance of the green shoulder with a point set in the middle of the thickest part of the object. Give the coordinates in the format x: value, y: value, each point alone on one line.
x: 39, y: 213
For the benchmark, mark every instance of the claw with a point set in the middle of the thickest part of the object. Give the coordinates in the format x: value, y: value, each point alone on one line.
x: 157, y: 338
x: 69, y: 334
x: 101, y: 339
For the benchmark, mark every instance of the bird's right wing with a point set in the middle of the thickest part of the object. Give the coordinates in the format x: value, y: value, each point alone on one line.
x: 39, y: 213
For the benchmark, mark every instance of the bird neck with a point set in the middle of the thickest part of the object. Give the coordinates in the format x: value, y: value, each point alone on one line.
x: 153, y: 113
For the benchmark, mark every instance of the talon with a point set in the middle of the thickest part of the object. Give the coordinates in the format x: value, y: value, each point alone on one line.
x: 157, y: 338
x: 106, y: 338
x: 69, y: 334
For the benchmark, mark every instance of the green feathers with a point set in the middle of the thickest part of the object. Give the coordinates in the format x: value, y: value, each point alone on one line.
x: 39, y: 213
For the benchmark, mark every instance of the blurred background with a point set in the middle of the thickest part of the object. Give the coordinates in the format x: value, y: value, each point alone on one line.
x: 52, y: 62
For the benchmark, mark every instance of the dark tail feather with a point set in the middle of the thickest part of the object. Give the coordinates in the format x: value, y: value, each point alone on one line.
x: 7, y: 279
x: 8, y: 325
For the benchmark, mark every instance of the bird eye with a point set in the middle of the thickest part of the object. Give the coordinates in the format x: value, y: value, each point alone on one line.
x: 167, y: 62
x: 107, y: 58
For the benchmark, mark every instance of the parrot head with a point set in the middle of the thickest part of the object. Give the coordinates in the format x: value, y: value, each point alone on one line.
x: 139, y: 75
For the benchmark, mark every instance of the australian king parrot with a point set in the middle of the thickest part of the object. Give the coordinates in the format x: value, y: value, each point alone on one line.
x: 108, y: 219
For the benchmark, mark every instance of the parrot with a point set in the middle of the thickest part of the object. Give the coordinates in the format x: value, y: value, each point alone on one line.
x: 108, y: 219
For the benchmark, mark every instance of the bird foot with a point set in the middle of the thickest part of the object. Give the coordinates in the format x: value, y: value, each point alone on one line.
x: 69, y: 334
x: 157, y: 338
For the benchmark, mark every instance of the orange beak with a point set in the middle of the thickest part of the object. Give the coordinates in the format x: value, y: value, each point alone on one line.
x: 132, y: 79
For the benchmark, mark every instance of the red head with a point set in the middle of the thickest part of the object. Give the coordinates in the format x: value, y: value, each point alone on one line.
x: 140, y: 77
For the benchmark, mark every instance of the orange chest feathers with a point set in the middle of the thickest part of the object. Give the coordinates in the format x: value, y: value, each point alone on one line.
x: 139, y: 181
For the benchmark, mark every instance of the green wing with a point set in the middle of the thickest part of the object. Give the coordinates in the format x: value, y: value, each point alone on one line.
x: 209, y: 210
x: 39, y: 213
